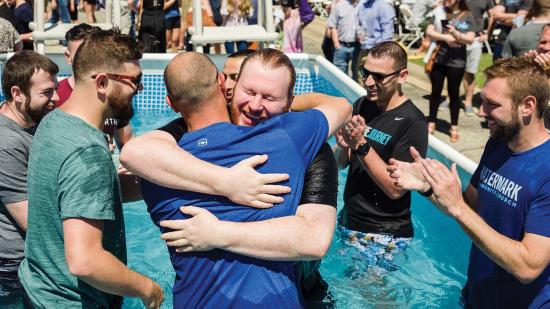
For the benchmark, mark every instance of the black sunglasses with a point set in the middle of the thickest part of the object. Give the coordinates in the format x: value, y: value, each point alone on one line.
x: 136, y: 80
x: 378, y: 77
x: 232, y: 76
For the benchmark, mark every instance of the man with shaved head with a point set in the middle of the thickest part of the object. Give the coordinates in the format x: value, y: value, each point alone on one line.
x: 230, y: 272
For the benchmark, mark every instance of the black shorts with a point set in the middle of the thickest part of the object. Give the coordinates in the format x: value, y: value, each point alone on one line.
x: 173, y: 23
x: 92, y: 2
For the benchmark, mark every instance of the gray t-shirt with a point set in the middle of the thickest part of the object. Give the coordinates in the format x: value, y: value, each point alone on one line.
x: 521, y: 40
x: 511, y: 6
x: 14, y: 156
x: 344, y: 18
x: 477, y: 8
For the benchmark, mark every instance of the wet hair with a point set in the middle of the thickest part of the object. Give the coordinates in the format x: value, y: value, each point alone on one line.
x: 190, y: 79
x: 389, y: 50
x: 241, y: 53
x: 80, y: 32
x: 105, y: 51
x: 20, y: 68
x: 517, y: 71
x: 273, y: 59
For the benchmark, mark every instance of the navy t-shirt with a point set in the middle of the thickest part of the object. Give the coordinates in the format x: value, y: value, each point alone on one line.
x: 513, y: 198
x: 222, y: 279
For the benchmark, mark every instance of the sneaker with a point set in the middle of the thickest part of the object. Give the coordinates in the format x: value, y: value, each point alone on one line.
x: 443, y: 105
x: 469, y: 111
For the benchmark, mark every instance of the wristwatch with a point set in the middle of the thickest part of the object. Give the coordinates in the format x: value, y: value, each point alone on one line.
x: 362, y: 150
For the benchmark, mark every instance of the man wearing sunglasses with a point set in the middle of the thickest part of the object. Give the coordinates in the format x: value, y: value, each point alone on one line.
x: 75, y: 247
x: 385, y: 124
x: 119, y: 133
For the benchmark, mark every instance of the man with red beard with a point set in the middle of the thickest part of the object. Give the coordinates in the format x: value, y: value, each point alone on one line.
x: 28, y: 82
x: 157, y: 157
x: 506, y: 208
x: 75, y: 252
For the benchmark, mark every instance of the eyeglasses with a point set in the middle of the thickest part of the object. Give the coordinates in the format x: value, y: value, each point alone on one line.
x: 378, y: 77
x: 232, y: 76
x: 135, y: 80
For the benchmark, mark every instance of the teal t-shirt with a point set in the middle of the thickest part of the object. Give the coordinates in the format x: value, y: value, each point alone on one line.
x: 70, y: 175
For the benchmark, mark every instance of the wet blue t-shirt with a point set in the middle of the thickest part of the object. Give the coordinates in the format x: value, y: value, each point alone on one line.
x: 222, y: 279
x: 513, y: 198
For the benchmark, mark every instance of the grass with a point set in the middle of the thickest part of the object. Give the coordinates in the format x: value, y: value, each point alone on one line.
x: 485, y: 61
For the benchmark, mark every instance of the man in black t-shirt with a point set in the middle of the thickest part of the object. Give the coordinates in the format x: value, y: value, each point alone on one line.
x: 385, y: 125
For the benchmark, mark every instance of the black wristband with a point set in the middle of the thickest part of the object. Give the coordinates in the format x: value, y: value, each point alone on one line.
x: 427, y: 193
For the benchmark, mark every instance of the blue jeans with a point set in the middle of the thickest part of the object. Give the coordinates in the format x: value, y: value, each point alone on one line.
x: 61, y: 12
x: 343, y: 56
x: 230, y: 46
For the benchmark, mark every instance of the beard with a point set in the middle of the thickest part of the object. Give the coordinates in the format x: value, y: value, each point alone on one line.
x: 121, y: 105
x: 36, y: 115
x: 506, y: 132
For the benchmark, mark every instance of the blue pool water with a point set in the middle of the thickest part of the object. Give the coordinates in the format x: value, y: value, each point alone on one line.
x: 430, y: 274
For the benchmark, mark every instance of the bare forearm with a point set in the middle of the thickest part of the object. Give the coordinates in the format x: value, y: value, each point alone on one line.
x: 105, y: 272
x: 377, y: 170
x: 281, y: 239
x: 465, y: 38
x: 509, y: 254
x: 436, y: 36
x: 166, y: 164
x: 335, y: 38
x: 342, y: 156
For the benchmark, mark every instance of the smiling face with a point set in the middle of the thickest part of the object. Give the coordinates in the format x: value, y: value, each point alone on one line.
x: 42, y: 96
x: 380, y: 89
x: 260, y: 93
x: 499, y: 111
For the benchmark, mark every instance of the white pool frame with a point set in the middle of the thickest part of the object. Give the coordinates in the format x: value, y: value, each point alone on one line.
x: 155, y: 63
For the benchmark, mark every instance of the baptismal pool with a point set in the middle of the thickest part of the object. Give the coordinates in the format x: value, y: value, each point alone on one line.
x: 429, y: 274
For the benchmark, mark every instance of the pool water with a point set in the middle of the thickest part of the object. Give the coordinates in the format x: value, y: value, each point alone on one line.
x: 430, y: 273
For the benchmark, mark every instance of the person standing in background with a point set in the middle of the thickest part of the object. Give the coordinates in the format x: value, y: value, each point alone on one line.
x: 172, y: 18
x: 24, y: 16
x: 526, y: 38
x: 504, y: 14
x: 236, y: 13
x: 451, y: 29
x: 343, y: 26
x: 152, y: 26
x: 474, y: 50
x: 292, y: 27
x: 375, y: 25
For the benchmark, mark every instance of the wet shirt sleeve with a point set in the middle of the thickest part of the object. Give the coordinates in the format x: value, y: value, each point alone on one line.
x: 86, y: 186
x: 321, y: 179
